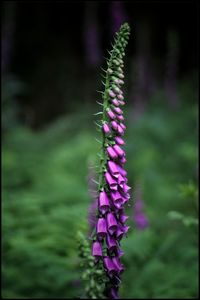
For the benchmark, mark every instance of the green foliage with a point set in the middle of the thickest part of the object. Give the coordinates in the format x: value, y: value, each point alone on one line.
x: 93, y: 274
x: 189, y: 193
x: 45, y: 202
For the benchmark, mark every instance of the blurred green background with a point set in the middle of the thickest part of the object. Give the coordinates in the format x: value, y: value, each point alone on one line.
x: 51, y: 59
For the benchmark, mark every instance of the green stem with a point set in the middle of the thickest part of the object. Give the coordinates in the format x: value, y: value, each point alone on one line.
x: 103, y: 155
x: 104, y: 118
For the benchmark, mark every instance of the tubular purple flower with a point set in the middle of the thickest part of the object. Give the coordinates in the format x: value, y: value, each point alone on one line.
x: 118, y: 264
x: 113, y: 188
x: 96, y: 249
x: 116, y: 197
x: 101, y: 228
x: 111, y: 243
x: 103, y: 202
x: 118, y: 150
x: 122, y: 160
x: 126, y: 188
x: 123, y: 218
x: 118, y: 204
x: 126, y: 199
x: 111, y: 181
x: 113, y: 168
x: 121, y: 180
x: 111, y: 114
x: 111, y: 152
x: 119, y: 140
x: 122, y: 171
x: 106, y: 128
x: 119, y: 233
x: 120, y: 252
x: 125, y: 228
x: 109, y: 265
x: 114, y: 125
x: 111, y: 223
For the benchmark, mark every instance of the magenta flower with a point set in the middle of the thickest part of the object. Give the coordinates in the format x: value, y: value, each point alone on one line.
x: 114, y: 125
x: 113, y: 188
x: 122, y: 171
x: 119, y: 233
x: 111, y: 223
x: 139, y: 217
x: 111, y: 243
x: 118, y: 150
x: 118, y: 265
x: 103, y: 202
x: 112, y: 183
x: 111, y: 152
x: 96, y: 249
x: 121, y: 180
x: 117, y: 198
x: 123, y: 218
x: 113, y: 168
x: 109, y: 265
x: 122, y: 160
x: 101, y: 228
x: 126, y: 188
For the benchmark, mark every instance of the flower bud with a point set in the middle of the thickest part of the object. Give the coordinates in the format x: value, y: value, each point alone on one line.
x: 111, y: 152
x: 106, y: 128
x: 115, y: 102
x: 114, y: 125
x: 111, y: 114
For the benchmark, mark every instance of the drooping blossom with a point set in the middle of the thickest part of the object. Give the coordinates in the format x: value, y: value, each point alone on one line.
x: 113, y: 190
x: 139, y: 217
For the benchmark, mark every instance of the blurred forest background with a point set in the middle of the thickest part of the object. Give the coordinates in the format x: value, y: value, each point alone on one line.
x: 50, y: 65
